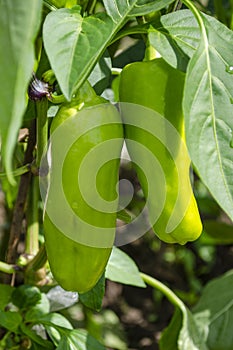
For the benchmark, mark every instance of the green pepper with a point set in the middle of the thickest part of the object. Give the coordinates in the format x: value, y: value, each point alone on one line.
x: 78, y: 259
x: 156, y: 85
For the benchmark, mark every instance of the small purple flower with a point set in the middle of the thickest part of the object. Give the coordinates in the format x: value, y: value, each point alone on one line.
x: 38, y: 89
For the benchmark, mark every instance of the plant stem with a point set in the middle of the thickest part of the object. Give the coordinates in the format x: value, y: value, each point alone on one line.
x: 6, y: 268
x: 150, y: 52
x: 31, y: 243
x: 116, y: 71
x: 92, y: 7
x: 177, y: 6
x: 83, y: 4
x: 39, y: 260
x: 41, y: 129
x: 35, y: 272
x: 18, y: 213
x: 57, y: 99
x: 49, y: 6
x: 19, y: 171
x: 171, y: 296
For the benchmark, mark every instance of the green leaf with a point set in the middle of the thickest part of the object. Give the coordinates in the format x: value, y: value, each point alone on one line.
x: 93, y: 298
x: 26, y: 296
x: 79, y: 340
x: 182, y: 333
x: 214, y: 312
x: 115, y: 9
x: 176, y: 38
x: 101, y: 74
x: 144, y: 7
x: 169, y: 338
x: 60, y: 299
x: 208, y: 111
x: 216, y: 233
x: 10, y: 192
x: 19, y: 24
x: 5, y: 295
x: 121, y: 268
x: 10, y: 320
x: 54, y: 334
x: 40, y: 309
x: 36, y: 346
x: 35, y: 337
x: 73, y: 36
x: 54, y: 319
x: 190, y: 336
x: 53, y: 324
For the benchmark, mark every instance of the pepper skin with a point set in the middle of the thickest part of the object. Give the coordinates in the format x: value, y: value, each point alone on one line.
x: 158, y: 86
x: 77, y: 266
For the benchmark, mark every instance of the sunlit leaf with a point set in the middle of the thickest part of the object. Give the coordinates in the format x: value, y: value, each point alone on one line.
x: 121, y: 268
x: 208, y: 111
x: 79, y: 42
x: 214, y: 312
x: 19, y: 24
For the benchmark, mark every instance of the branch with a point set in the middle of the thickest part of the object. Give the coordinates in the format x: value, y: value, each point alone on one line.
x: 6, y: 268
x: 18, y: 213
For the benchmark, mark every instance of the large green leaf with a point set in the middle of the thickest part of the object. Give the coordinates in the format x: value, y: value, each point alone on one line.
x: 26, y: 296
x: 10, y: 320
x: 183, y: 332
x: 37, y: 339
x: 190, y: 335
x: 94, y: 297
x: 214, y: 313
x: 121, y: 268
x: 54, y: 319
x: 61, y: 299
x: 169, y: 338
x: 55, y: 325
x: 176, y: 38
x: 79, y: 340
x: 78, y: 43
x: 208, y: 111
x: 5, y: 295
x: 19, y: 24
x: 144, y: 7
x: 216, y: 233
x: 40, y: 309
x: 100, y: 77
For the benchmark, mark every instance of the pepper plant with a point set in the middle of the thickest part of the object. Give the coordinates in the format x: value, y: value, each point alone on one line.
x: 74, y: 99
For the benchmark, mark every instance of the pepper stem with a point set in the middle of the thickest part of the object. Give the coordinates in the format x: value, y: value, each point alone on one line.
x: 6, y: 268
x: 31, y: 243
x: 171, y: 296
x: 42, y: 128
